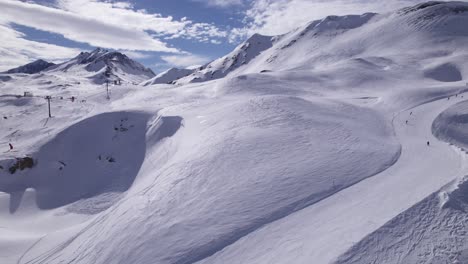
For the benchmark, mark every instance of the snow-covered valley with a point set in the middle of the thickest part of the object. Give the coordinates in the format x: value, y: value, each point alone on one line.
x: 340, y: 142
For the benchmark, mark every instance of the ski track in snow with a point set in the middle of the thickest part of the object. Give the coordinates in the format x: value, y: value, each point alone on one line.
x: 326, y: 229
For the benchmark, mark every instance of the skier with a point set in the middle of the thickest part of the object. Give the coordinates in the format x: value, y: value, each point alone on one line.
x: 406, y: 121
x: 428, y: 143
x: 11, y: 146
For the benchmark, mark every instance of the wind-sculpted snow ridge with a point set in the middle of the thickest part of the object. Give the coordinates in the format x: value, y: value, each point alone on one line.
x: 445, y: 73
x: 452, y: 125
x: 251, y: 155
x: 433, y: 231
x: 99, y: 155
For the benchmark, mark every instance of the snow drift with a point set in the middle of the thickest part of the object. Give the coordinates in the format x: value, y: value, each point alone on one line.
x: 452, y: 125
x: 83, y: 160
x: 444, y: 73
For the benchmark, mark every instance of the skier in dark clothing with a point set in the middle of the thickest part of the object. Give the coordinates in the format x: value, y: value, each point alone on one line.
x: 11, y: 146
x: 428, y: 143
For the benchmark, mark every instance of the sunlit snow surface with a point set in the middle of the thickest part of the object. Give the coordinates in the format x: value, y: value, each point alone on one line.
x: 302, y: 153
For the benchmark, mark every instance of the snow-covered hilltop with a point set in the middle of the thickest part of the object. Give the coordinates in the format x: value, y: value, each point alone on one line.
x: 33, y: 67
x: 315, y: 146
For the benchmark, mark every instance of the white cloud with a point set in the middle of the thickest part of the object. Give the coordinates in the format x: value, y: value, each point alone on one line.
x: 16, y: 51
x: 221, y: 3
x: 136, y: 55
x: 273, y: 17
x: 185, y: 60
x: 115, y: 25
x: 123, y: 14
x: 79, y: 28
x: 100, y: 23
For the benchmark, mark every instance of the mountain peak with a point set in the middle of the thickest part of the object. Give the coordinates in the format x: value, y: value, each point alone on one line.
x: 33, y: 67
x: 99, y: 50
x: 239, y: 57
x: 101, y: 65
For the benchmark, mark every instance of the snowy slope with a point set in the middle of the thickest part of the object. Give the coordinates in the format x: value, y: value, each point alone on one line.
x: 223, y: 66
x: 272, y: 178
x: 167, y: 77
x: 335, y: 224
x: 433, y: 230
x: 299, y: 164
x: 430, y: 232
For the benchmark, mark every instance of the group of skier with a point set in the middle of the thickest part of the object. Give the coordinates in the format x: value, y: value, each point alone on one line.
x: 411, y: 113
x: 406, y: 122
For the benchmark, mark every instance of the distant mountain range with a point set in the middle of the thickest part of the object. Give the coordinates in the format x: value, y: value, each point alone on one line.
x: 33, y: 67
x: 99, y: 65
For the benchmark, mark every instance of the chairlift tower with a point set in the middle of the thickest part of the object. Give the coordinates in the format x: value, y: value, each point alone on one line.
x: 48, y: 97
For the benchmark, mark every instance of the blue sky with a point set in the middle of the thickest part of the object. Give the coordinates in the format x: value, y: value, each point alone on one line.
x: 222, y: 17
x: 159, y: 33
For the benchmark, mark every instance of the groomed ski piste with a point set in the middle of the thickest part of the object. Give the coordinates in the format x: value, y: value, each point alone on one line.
x: 309, y: 147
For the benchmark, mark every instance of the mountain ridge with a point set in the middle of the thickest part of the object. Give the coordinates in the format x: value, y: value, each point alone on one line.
x: 101, y: 65
x: 32, y: 67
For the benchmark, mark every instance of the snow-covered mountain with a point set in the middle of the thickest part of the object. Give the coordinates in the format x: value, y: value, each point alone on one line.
x: 167, y: 77
x: 342, y: 141
x: 33, y: 67
x: 101, y: 64
x: 223, y: 66
x: 392, y: 41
